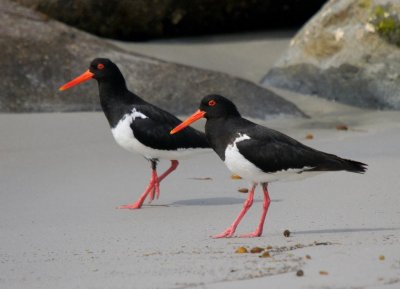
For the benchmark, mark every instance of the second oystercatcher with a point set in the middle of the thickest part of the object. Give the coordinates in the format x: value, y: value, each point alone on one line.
x: 139, y: 126
x: 259, y: 154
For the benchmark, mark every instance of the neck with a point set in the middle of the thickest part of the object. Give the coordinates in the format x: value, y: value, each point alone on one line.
x: 218, y: 135
x: 234, y: 113
x: 110, y: 87
x: 113, y: 97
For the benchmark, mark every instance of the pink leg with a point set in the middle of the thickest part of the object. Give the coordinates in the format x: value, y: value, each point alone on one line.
x: 153, y: 186
x: 246, y: 206
x: 156, y: 185
x: 156, y: 189
x: 266, y: 202
x: 174, y: 165
x: 154, y: 180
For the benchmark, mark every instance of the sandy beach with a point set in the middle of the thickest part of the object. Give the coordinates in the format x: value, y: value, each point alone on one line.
x: 62, y: 175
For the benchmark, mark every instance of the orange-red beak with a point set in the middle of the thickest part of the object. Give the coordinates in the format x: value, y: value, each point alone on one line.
x: 191, y: 119
x: 81, y: 78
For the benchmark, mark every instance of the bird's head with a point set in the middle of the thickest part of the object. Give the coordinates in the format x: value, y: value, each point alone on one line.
x: 101, y: 69
x: 211, y: 106
x: 217, y: 106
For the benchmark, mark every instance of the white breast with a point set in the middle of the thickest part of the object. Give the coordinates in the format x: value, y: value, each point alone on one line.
x: 239, y: 165
x: 124, y: 136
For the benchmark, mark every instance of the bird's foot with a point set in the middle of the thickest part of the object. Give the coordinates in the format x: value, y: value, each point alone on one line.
x: 251, y: 235
x: 226, y: 234
x: 135, y: 205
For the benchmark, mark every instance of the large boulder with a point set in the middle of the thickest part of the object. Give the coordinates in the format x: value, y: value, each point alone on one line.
x: 348, y: 52
x: 139, y: 19
x: 39, y: 55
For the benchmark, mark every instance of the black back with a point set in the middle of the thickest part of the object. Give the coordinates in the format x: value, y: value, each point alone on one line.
x: 267, y: 149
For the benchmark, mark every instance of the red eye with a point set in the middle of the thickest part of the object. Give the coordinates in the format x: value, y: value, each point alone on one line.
x: 212, y: 103
x: 100, y: 66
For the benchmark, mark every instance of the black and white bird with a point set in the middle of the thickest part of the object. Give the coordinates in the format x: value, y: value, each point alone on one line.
x: 259, y: 154
x: 139, y: 126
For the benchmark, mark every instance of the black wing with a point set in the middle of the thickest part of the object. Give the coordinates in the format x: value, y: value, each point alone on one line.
x: 154, y: 131
x: 273, y: 151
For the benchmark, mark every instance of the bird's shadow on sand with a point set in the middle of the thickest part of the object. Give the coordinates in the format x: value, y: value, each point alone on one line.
x: 343, y: 230
x: 214, y: 202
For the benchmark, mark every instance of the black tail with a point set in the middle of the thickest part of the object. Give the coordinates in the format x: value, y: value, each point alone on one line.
x: 329, y: 162
x: 355, y: 167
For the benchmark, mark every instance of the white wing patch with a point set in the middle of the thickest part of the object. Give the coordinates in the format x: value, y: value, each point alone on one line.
x: 137, y: 114
x: 239, y: 165
x: 241, y: 137
x: 124, y: 136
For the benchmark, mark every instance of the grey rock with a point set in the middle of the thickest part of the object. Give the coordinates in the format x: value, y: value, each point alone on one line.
x: 340, y: 55
x: 39, y: 55
x: 139, y: 19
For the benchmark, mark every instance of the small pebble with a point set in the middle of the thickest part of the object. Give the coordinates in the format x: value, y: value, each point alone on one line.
x: 309, y: 136
x: 256, y: 250
x: 299, y: 273
x: 269, y: 247
x: 236, y: 177
x: 243, y: 190
x: 241, y: 250
x: 265, y: 255
x: 308, y: 257
x: 342, y: 127
x: 323, y: 273
x: 286, y: 233
x: 381, y: 257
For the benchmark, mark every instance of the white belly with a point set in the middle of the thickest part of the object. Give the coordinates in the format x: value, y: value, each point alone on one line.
x: 239, y: 165
x: 124, y: 136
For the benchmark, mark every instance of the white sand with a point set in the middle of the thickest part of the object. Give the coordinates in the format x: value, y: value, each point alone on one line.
x: 62, y: 175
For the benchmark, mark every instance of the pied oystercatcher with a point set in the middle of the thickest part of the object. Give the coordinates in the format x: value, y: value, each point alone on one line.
x: 140, y: 126
x: 259, y: 154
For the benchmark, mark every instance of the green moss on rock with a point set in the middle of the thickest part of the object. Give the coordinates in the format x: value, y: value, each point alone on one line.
x: 364, y: 3
x: 386, y: 22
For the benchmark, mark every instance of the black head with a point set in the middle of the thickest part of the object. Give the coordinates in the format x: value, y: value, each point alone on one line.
x: 211, y: 106
x: 217, y: 106
x: 101, y: 69
x: 104, y: 69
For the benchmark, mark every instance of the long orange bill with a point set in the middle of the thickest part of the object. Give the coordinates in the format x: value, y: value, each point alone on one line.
x: 81, y: 78
x: 196, y: 116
